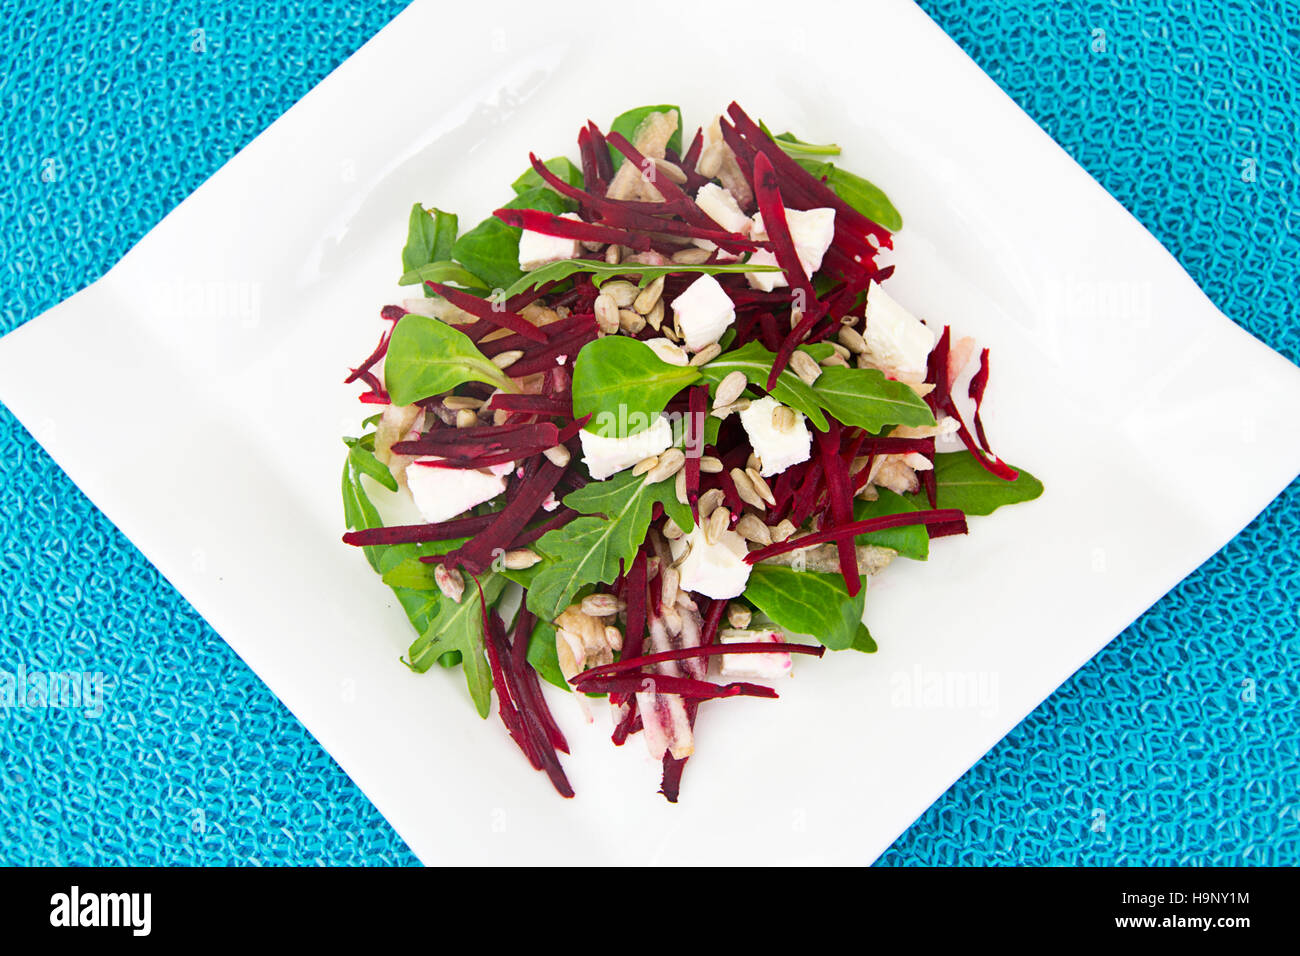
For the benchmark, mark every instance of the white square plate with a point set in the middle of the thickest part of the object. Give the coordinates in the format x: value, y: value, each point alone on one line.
x: 193, y: 394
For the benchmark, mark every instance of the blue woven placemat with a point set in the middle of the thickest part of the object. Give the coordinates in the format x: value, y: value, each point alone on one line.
x: 1180, y: 743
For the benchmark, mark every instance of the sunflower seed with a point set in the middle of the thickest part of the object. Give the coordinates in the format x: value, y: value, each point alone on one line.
x: 621, y: 291
x: 557, y: 455
x: 796, y: 316
x: 606, y: 314
x: 852, y: 340
x: 613, y: 637
x: 592, y: 246
x: 835, y: 359
x: 710, y: 465
x: 691, y: 257
x: 672, y: 581
x: 784, y: 418
x: 782, y: 531
x: 601, y: 605
x: 738, y: 615
x: 745, y: 488
x: 644, y: 465
x: 630, y: 322
x: 459, y: 402
x: 709, y: 501
x: 804, y: 365
x: 671, y: 171
x: 647, y: 297
x: 508, y: 358
x: 655, y: 317
x: 719, y: 521
x: 669, y: 464
x: 706, y: 354
x: 466, y: 418
x: 668, y: 333
x: 753, y: 462
x: 679, y: 487
x: 730, y: 388
x: 520, y: 558
x: 613, y: 254
x: 671, y: 530
x: 849, y: 320
x: 752, y: 529
x: 761, y: 485
x: 450, y: 583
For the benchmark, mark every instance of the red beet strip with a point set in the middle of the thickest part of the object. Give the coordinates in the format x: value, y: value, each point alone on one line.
x: 419, y: 533
x: 549, y: 224
x: 530, y: 404
x: 854, y: 528
x: 686, y: 687
x: 493, y: 635
x: 476, y: 554
x: 841, y: 500
x: 686, y: 653
x: 978, y: 383
x: 488, y: 314
x: 531, y: 689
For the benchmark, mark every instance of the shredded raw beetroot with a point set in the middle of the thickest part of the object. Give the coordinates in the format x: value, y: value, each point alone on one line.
x: 854, y: 528
x: 489, y: 314
x: 477, y: 553
x: 690, y: 653
x: 417, y: 533
x: 841, y: 499
x: 979, y: 381
x: 549, y: 224
x: 666, y: 684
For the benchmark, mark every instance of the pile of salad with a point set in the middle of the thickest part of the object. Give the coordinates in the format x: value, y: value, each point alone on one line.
x: 653, y: 420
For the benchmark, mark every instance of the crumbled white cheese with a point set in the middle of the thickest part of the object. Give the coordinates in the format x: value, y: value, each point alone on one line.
x: 755, y: 666
x: 608, y: 456
x: 719, y: 205
x: 667, y: 351
x: 716, y: 570
x: 441, y: 494
x: 703, y: 311
x: 813, y: 231
x: 896, y: 340
x: 777, y: 449
x: 537, y: 249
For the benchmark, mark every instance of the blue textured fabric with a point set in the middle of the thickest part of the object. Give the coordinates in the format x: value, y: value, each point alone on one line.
x: 1180, y: 743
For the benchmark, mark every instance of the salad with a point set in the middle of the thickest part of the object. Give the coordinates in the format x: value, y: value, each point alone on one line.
x: 658, y: 418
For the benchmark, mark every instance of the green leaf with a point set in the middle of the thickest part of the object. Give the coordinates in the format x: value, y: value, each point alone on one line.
x: 429, y: 237
x: 964, y: 483
x: 491, y: 249
x: 543, y: 655
x: 862, y: 195
x: 359, y: 512
x: 427, y: 357
x: 459, y: 627
x: 793, y: 146
x: 910, y: 541
x: 863, y: 397
x: 561, y: 166
x: 807, y: 602
x: 863, y: 641
x: 624, y: 386
x: 591, y: 550
x: 362, y: 458
x: 628, y: 123
x: 756, y: 362
x: 603, y: 271
x: 450, y: 272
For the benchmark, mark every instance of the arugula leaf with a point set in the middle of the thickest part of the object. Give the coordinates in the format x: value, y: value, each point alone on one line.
x: 543, y: 655
x: 459, y: 627
x: 363, y: 459
x: 910, y: 541
x: 427, y: 357
x: 602, y: 271
x: 793, y: 146
x: 963, y: 483
x: 591, y: 550
x: 865, y: 398
x: 628, y: 123
x: 491, y: 249
x: 864, y: 642
x: 865, y: 197
x: 359, y: 512
x: 561, y: 166
x: 624, y: 386
x: 442, y: 272
x: 808, y: 602
x: 429, y: 238
x: 756, y: 362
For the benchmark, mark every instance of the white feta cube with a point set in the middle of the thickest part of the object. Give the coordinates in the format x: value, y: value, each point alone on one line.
x: 537, y: 249
x: 777, y: 449
x: 719, y: 205
x: 812, y: 230
x: 608, y: 456
x: 755, y: 666
x: 765, y: 281
x: 704, y: 311
x: 667, y: 351
x: 441, y: 494
x: 717, y: 569
x: 896, y: 340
